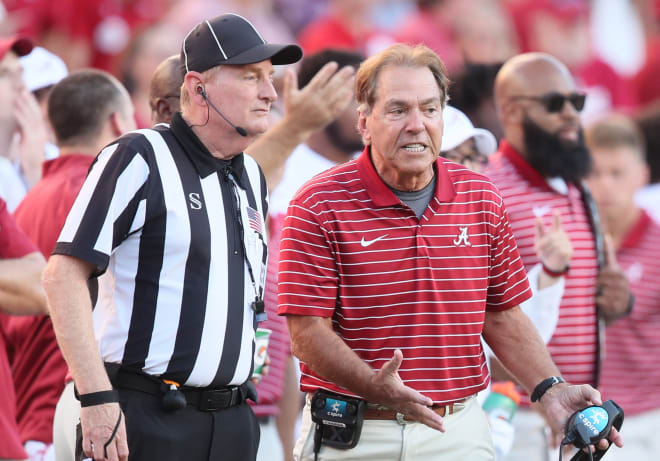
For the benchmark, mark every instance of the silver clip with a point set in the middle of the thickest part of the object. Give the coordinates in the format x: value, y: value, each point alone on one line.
x: 400, y: 418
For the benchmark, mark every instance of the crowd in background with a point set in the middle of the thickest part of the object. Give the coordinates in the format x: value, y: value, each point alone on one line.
x: 611, y: 47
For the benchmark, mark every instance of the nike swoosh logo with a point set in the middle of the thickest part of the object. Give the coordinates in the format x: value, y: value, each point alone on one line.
x: 366, y: 243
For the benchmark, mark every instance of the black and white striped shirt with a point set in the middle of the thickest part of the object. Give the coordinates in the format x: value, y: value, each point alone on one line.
x: 158, y: 216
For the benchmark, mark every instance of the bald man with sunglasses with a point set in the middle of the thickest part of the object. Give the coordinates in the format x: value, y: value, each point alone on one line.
x: 539, y: 168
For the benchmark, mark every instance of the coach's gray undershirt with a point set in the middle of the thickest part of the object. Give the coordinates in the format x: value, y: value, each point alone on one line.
x: 417, y: 200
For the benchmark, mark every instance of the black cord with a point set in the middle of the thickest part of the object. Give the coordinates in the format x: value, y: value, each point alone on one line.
x: 561, y: 447
x: 112, y: 436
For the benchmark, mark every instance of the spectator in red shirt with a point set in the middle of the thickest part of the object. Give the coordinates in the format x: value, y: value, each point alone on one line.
x: 632, y: 342
x: 20, y: 294
x: 87, y: 110
x: 346, y: 25
x: 391, y: 267
x: 539, y: 170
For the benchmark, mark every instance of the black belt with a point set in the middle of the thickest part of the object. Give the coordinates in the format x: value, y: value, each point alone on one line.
x: 204, y: 398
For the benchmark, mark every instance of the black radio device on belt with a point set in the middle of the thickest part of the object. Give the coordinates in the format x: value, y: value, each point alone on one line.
x: 338, y: 420
x: 588, y: 426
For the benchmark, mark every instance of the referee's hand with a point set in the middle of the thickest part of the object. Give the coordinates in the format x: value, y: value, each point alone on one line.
x: 98, y: 424
x: 389, y: 390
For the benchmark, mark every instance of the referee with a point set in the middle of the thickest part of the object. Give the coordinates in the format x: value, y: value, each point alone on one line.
x: 169, y: 224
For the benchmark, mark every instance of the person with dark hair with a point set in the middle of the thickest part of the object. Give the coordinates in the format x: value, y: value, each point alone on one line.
x: 165, y: 90
x: 539, y: 169
x: 392, y: 266
x: 323, y: 148
x: 472, y: 92
x: 87, y: 110
x: 631, y: 343
x: 170, y: 221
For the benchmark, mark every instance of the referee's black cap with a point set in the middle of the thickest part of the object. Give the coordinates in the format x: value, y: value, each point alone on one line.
x: 231, y: 39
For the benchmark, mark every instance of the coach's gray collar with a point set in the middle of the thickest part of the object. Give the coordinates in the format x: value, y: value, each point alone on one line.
x: 205, y: 163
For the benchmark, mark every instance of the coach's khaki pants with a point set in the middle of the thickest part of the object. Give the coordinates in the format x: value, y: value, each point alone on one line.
x: 467, y: 438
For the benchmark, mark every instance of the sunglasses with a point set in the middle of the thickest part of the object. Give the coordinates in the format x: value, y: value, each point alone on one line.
x: 554, y: 102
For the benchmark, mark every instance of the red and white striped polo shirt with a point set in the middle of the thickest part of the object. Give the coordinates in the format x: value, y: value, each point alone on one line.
x: 352, y: 251
x: 526, y: 195
x: 630, y: 375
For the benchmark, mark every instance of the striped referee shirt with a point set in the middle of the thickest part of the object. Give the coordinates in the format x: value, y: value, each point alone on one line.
x: 351, y: 251
x: 574, y: 344
x: 168, y: 228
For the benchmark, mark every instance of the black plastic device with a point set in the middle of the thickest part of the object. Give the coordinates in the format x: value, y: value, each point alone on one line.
x: 338, y: 420
x: 588, y: 426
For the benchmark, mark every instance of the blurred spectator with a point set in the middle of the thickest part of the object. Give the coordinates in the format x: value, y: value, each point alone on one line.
x: 472, y: 92
x: 41, y: 71
x: 561, y: 29
x: 484, y: 32
x: 632, y: 342
x: 87, y: 110
x: 346, y: 25
x: 479, y: 31
x: 539, y: 169
x: 649, y: 196
x: 21, y: 156
x: 86, y: 33
x: 20, y: 293
x: 297, y: 13
x: 431, y: 24
x: 165, y: 90
x: 144, y: 54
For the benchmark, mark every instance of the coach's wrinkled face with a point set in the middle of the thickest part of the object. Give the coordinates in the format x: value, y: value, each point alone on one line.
x: 404, y: 126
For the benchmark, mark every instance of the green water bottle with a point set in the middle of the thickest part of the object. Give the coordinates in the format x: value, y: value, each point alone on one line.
x: 503, y: 400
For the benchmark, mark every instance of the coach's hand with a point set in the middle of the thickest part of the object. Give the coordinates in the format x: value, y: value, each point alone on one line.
x: 98, y: 424
x: 389, y: 390
x: 562, y: 400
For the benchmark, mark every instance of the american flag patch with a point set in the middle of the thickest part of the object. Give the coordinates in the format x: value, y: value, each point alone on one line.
x: 254, y: 218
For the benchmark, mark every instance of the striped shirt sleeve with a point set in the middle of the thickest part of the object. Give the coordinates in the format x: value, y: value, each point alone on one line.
x: 308, y: 277
x: 108, y: 207
x: 508, y: 285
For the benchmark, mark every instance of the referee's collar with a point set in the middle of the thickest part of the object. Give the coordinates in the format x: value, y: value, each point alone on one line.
x: 205, y: 163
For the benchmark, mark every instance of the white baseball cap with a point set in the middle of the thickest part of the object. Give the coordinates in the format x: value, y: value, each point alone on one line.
x: 41, y: 69
x: 458, y: 128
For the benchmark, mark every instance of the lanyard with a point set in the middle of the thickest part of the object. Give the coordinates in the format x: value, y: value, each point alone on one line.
x: 258, y: 305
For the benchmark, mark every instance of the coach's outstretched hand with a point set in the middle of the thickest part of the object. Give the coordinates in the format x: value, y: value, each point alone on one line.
x: 389, y: 390
x: 562, y: 400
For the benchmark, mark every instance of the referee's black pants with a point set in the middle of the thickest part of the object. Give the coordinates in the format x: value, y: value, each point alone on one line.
x: 231, y: 434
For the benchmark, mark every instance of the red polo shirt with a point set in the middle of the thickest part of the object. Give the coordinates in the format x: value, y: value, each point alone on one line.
x: 632, y: 343
x: 13, y: 244
x: 38, y: 366
x: 352, y: 251
x: 526, y: 195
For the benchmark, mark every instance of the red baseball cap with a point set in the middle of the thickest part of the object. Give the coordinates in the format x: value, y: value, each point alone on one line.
x: 20, y: 46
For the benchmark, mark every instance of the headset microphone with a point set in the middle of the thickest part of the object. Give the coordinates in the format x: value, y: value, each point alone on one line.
x: 240, y: 130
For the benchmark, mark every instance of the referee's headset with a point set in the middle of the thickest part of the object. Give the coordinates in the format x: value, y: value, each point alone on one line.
x: 240, y: 130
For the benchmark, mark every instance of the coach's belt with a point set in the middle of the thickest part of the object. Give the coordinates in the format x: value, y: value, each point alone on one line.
x: 379, y: 412
x: 204, y: 398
